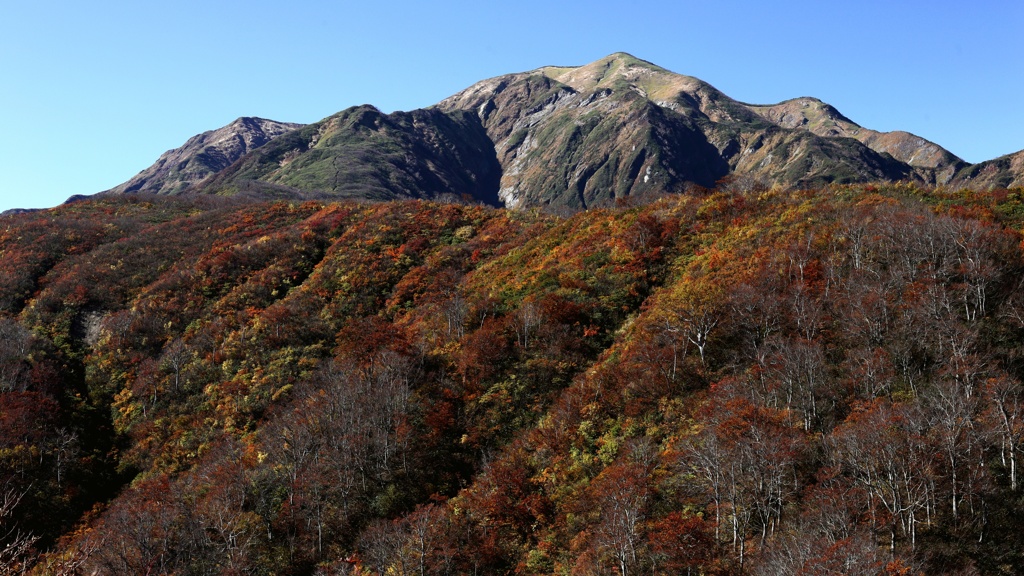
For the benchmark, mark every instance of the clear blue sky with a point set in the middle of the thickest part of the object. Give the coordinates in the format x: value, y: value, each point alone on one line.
x: 93, y: 92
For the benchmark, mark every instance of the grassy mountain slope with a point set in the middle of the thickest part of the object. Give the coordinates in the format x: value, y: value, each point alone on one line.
x: 363, y: 153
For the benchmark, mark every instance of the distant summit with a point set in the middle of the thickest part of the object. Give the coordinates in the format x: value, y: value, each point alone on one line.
x: 568, y: 136
x: 204, y: 155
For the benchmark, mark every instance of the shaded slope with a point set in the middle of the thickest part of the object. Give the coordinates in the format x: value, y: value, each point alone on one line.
x: 363, y: 153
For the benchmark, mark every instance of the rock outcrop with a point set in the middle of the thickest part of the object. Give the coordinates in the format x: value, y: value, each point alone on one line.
x: 203, y: 156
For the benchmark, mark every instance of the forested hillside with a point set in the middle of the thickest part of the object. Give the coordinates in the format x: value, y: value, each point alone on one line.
x: 737, y: 381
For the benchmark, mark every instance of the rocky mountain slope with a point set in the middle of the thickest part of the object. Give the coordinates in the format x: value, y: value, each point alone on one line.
x: 569, y: 137
x: 932, y: 162
x: 1003, y: 172
x: 624, y: 127
x: 204, y: 155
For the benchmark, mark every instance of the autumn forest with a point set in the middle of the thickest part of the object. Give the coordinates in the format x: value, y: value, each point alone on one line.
x: 733, y: 381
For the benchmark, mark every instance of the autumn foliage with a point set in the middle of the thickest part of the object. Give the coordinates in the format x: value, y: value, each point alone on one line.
x: 762, y: 382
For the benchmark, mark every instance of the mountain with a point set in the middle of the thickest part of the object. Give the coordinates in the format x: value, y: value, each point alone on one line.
x: 568, y: 137
x: 621, y: 126
x: 204, y: 155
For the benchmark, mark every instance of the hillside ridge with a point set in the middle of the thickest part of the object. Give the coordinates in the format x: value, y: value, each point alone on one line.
x: 562, y: 138
x: 193, y: 384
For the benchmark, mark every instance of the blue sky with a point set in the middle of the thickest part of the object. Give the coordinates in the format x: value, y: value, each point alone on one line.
x: 92, y: 93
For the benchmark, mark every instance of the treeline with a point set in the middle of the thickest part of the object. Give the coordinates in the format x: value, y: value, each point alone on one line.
x: 740, y: 381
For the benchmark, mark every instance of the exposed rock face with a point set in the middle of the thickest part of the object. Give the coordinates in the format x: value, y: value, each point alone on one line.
x: 204, y: 155
x: 563, y: 145
x: 624, y: 127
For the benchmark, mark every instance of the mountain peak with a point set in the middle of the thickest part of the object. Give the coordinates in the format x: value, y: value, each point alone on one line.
x: 808, y: 113
x: 628, y: 60
x: 204, y: 155
x: 250, y: 122
x: 621, y: 70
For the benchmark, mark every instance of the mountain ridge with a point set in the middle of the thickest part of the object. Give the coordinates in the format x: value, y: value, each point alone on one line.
x: 566, y: 137
x: 686, y: 131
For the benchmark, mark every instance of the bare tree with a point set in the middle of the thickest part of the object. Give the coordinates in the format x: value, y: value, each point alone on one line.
x: 690, y: 314
x: 408, y: 546
x: 622, y: 499
x: 883, y: 448
x: 527, y: 319
x: 455, y: 309
x: 1005, y: 417
x: 175, y: 357
x: 15, y: 342
x: 745, y: 458
x: 15, y: 544
x: 952, y: 411
x: 801, y: 371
